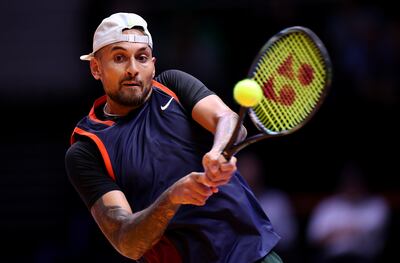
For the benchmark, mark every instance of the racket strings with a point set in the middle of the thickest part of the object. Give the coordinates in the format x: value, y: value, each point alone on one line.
x: 269, y: 83
x: 310, y: 93
x: 301, y: 112
x: 292, y: 73
x: 271, y: 111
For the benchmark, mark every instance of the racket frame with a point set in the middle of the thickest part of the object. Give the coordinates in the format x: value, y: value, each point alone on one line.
x: 232, y: 147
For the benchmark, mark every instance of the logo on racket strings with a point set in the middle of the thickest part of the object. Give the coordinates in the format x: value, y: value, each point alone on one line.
x: 287, y: 76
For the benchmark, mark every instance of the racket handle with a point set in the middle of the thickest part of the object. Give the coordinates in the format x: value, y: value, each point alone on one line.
x: 228, y: 154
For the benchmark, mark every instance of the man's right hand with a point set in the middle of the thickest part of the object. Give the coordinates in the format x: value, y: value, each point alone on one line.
x: 192, y: 189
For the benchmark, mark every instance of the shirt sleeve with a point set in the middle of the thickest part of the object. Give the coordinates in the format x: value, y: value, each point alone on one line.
x: 189, y: 89
x: 87, y: 173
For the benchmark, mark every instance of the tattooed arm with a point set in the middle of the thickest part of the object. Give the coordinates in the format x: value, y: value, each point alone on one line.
x: 132, y: 234
x: 214, y: 115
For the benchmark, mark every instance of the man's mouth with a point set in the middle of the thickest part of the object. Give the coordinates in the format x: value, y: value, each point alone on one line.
x: 131, y: 84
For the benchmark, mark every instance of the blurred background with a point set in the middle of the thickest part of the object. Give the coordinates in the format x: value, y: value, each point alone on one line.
x: 347, y: 155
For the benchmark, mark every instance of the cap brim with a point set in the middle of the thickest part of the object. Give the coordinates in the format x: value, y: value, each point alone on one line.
x: 87, y: 57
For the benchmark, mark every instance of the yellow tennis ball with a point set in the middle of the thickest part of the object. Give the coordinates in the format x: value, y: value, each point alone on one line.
x: 247, y: 93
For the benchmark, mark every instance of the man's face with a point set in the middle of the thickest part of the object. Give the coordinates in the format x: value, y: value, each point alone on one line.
x: 126, y: 70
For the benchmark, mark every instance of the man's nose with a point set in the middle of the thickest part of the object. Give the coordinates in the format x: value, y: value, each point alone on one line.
x: 132, y: 68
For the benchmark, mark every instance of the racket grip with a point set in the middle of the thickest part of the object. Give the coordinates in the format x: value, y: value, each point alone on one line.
x: 227, y: 154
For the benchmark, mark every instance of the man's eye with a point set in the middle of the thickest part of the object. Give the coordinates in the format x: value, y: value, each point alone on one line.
x: 119, y: 58
x: 143, y: 58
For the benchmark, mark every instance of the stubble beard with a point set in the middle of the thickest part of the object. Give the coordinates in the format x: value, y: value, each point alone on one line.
x: 132, y: 97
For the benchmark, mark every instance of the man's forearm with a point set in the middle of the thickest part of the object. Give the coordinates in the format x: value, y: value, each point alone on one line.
x: 145, y: 228
x: 134, y: 234
x: 224, y: 130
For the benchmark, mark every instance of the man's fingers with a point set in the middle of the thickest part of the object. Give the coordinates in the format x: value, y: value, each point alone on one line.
x: 221, y: 182
x: 205, y: 180
x: 191, y: 190
x: 197, y: 198
x: 227, y: 167
x: 203, y: 189
x: 213, y: 166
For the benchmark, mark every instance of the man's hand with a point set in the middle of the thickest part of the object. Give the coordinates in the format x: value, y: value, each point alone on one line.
x: 217, y: 169
x: 195, y: 188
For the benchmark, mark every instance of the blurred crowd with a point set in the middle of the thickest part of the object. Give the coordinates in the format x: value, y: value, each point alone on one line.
x: 349, y: 224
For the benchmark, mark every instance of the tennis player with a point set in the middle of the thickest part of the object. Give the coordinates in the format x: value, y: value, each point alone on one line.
x: 146, y: 160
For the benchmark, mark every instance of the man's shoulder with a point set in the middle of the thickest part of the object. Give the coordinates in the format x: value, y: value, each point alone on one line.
x: 80, y: 148
x: 173, y: 75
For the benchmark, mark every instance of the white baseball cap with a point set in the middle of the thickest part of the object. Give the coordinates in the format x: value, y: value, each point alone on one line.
x: 110, y: 31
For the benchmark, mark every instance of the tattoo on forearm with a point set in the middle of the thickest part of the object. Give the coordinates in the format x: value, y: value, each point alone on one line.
x: 134, y: 234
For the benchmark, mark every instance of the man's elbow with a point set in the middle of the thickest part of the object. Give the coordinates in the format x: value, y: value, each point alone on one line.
x: 132, y: 247
x: 134, y: 252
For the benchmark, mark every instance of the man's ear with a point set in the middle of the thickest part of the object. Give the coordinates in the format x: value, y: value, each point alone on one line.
x: 95, y: 68
x: 154, y: 70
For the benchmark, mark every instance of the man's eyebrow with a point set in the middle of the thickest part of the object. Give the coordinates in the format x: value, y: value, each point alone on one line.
x: 124, y: 49
x: 118, y: 48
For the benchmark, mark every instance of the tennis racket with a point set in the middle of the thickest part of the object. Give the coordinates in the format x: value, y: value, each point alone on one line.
x: 294, y: 71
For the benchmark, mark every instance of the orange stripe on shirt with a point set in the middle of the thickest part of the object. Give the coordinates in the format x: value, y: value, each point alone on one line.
x: 165, y: 89
x: 92, y: 115
x: 101, y: 147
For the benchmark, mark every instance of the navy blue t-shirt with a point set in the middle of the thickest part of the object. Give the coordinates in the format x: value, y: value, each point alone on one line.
x: 148, y: 150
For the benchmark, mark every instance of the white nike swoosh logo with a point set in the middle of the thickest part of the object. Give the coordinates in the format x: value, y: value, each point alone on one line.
x: 164, y: 107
